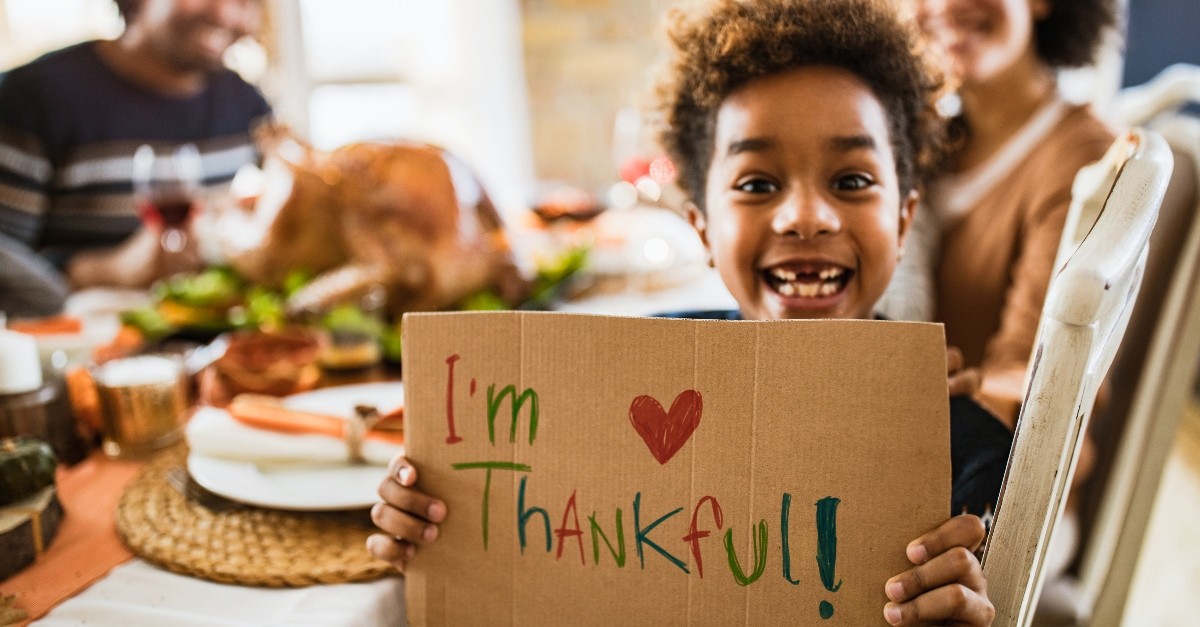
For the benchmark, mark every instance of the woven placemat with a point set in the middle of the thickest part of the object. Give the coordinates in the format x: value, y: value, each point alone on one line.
x: 243, y: 545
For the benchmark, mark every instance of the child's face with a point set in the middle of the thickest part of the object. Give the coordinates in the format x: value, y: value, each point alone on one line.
x: 804, y: 217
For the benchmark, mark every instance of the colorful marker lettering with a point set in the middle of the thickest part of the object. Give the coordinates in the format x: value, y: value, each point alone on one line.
x: 523, y: 516
x: 598, y: 533
x: 516, y: 402
x: 693, y: 537
x: 487, y: 484
x: 784, y: 508
x: 563, y: 532
x: 759, y: 543
x: 641, y: 534
x: 452, y: 438
x: 827, y: 548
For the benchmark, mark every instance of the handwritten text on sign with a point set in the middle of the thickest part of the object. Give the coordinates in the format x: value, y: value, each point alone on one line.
x: 658, y: 450
x: 664, y: 433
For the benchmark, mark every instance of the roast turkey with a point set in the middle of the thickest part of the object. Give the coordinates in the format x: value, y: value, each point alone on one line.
x: 410, y: 217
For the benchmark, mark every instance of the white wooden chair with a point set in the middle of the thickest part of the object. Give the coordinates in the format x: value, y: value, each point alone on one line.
x: 1172, y: 88
x: 1087, y: 308
x: 1153, y: 373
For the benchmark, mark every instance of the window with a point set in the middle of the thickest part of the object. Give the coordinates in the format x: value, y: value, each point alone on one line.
x: 30, y: 28
x: 447, y: 72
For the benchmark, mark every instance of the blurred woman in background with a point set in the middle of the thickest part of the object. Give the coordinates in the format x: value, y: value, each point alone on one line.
x: 997, y: 209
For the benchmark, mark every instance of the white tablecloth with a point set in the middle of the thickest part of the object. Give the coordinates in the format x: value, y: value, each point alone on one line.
x: 137, y: 593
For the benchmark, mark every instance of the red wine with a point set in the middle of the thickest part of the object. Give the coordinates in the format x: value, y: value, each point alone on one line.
x: 168, y: 212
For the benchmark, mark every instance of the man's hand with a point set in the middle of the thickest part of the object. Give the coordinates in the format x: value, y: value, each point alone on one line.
x: 135, y: 263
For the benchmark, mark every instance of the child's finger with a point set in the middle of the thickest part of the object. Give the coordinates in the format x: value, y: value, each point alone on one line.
x: 965, y: 531
x: 393, y: 551
x: 954, y: 603
x: 954, y: 360
x: 411, y: 501
x: 403, y: 526
x: 958, y: 565
x: 403, y: 471
x: 964, y: 382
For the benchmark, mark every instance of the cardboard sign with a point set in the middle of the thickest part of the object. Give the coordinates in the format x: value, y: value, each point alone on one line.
x: 622, y: 471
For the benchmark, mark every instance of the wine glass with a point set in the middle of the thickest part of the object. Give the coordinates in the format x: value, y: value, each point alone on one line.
x: 166, y: 186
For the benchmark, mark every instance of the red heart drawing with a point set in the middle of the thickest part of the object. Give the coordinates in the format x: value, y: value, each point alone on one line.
x: 665, y: 432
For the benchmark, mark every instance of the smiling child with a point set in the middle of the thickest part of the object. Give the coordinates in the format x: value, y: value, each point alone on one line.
x: 800, y: 129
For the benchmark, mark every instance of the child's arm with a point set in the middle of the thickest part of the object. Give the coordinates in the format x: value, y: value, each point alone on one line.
x: 406, y: 516
x: 947, y: 584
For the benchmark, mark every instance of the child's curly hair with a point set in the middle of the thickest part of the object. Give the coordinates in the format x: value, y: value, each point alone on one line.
x: 720, y: 45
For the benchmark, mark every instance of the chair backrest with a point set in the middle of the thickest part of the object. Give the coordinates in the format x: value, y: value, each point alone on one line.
x: 1151, y: 380
x: 1172, y: 88
x: 1086, y: 311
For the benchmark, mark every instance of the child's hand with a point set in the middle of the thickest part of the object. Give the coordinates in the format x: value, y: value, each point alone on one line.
x: 961, y: 381
x: 947, y: 585
x: 406, y: 516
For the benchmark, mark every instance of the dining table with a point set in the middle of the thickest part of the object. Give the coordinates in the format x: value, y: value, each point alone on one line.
x: 88, y: 576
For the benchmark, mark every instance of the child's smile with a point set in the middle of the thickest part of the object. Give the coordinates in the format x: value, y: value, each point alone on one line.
x: 809, y: 283
x: 803, y: 212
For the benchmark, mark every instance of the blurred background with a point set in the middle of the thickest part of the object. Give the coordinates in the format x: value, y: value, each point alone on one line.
x: 541, y: 94
x: 524, y: 91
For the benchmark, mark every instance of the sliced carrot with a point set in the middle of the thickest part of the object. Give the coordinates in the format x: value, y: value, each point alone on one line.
x: 51, y: 325
x: 391, y: 421
x: 266, y: 412
x: 127, y: 342
x: 384, y: 436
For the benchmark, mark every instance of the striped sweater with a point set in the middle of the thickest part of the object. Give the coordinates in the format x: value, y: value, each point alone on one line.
x: 68, y: 129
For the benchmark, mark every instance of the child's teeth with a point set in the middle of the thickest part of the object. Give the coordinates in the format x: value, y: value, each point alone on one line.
x: 784, y: 275
x: 830, y: 273
x: 826, y: 282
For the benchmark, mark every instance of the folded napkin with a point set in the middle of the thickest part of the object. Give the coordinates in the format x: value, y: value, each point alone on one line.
x: 215, y: 433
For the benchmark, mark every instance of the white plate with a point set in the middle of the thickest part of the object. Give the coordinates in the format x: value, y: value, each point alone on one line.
x: 77, y: 348
x: 340, y: 401
x: 644, y: 241
x: 304, y: 488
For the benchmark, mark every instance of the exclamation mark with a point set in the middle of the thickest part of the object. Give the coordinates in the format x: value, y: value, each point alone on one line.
x: 827, y: 548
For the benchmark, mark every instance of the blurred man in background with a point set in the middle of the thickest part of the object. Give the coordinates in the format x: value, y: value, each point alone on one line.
x: 71, y: 120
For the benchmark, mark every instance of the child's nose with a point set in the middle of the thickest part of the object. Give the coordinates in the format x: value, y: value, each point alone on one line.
x: 806, y: 216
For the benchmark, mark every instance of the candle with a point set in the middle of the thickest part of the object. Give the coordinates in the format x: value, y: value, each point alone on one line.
x: 138, y: 371
x: 20, y: 367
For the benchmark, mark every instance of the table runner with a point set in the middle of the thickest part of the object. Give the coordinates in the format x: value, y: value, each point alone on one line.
x: 87, y: 545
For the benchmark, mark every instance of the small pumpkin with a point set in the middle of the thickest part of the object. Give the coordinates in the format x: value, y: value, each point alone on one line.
x: 26, y: 466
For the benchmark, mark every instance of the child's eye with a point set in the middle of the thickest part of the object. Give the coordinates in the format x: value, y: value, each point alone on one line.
x: 756, y: 186
x: 852, y: 182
